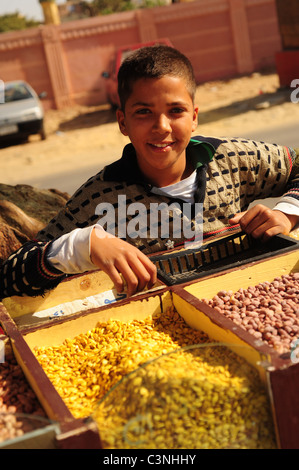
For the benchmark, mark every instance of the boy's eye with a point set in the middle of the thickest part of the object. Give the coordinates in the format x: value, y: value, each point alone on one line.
x: 177, y: 110
x: 142, y: 111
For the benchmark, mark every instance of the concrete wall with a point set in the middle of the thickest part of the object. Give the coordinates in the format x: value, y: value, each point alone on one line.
x: 222, y: 38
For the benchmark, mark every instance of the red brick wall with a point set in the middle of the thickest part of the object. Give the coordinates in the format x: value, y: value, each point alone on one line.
x: 222, y: 38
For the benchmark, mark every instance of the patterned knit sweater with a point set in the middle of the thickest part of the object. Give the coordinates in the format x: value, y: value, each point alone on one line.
x: 231, y: 173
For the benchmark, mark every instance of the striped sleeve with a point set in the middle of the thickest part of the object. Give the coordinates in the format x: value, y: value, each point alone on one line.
x: 291, y: 195
x: 28, y: 272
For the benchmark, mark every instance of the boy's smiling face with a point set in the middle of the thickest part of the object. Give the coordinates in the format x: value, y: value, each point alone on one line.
x: 159, y: 119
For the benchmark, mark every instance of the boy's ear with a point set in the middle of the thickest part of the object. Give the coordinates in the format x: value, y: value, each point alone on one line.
x: 120, y: 116
x: 195, y: 118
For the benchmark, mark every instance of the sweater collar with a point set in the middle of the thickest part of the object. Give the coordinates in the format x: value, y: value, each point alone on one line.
x: 127, y: 169
x: 201, y: 153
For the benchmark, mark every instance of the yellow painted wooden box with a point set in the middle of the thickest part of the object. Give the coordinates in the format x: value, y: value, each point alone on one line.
x: 279, y: 375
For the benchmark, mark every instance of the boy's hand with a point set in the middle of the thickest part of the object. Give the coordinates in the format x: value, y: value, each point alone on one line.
x: 118, y: 259
x: 262, y: 222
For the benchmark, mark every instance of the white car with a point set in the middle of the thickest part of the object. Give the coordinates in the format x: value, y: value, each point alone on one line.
x: 21, y: 111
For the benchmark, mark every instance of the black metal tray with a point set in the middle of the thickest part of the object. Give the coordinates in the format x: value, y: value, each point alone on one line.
x: 229, y: 252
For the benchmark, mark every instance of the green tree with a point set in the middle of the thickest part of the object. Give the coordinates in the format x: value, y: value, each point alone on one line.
x: 152, y: 3
x: 15, y: 21
x: 106, y: 7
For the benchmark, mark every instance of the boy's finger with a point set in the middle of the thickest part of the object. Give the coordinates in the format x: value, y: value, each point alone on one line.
x: 134, y: 274
x: 249, y: 219
x: 144, y: 272
x: 236, y: 218
x: 151, y: 270
x: 116, y: 278
x: 257, y: 220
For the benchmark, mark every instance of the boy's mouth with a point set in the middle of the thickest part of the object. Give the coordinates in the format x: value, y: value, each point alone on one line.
x: 162, y: 145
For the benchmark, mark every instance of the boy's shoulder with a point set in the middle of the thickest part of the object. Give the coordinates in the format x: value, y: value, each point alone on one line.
x: 214, y: 141
x: 124, y: 169
x: 241, y: 145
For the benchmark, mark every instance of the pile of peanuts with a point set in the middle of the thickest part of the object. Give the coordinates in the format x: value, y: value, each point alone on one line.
x: 269, y: 311
x: 201, y: 398
x: 192, y: 394
x: 16, y: 398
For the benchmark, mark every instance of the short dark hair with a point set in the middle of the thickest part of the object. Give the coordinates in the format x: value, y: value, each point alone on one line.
x: 154, y: 62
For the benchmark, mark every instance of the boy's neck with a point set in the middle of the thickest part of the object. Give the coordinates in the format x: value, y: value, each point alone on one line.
x: 168, y: 176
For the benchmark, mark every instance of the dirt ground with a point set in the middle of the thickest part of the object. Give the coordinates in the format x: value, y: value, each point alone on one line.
x: 81, y: 137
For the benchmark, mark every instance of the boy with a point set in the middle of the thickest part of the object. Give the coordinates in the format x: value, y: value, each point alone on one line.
x: 162, y: 164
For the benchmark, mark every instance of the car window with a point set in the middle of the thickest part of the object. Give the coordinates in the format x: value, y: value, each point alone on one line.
x: 15, y: 92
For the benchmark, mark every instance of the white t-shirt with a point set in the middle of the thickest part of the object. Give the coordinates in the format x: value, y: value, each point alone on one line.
x: 183, y: 189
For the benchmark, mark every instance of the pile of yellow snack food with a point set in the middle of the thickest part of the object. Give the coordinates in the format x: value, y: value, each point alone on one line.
x: 158, y: 383
x: 295, y: 233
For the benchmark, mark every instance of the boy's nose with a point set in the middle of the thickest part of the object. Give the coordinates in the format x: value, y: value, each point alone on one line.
x: 162, y: 124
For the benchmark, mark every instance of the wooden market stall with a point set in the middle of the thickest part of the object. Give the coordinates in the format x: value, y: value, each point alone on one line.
x: 177, y: 307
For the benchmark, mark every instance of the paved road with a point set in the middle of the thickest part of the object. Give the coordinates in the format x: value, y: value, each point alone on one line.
x: 282, y: 135
x: 69, y: 182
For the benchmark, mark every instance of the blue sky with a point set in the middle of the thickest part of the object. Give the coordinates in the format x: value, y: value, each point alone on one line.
x: 29, y: 8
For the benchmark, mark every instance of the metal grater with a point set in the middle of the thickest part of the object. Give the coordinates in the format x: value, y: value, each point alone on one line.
x: 229, y: 252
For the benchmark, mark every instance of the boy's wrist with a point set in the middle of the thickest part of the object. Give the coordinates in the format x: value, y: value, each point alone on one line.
x: 71, y: 252
x: 291, y: 220
x: 294, y: 220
